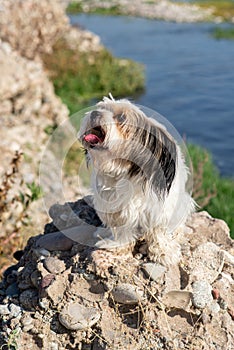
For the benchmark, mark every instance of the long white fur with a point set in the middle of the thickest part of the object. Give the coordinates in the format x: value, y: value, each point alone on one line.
x: 127, y: 210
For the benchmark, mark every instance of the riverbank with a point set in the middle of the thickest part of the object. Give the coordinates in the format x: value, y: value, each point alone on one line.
x: 198, y: 11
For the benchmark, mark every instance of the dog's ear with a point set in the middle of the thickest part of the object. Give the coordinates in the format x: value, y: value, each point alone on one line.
x: 156, y: 162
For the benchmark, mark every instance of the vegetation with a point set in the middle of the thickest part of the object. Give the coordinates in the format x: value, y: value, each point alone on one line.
x: 211, y: 191
x: 16, y: 197
x: 222, y: 8
x: 223, y: 33
x: 80, y: 77
x: 75, y: 7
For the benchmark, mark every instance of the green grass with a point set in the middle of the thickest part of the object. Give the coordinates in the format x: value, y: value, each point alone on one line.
x: 222, y: 8
x: 211, y: 191
x: 75, y: 7
x: 80, y: 77
x: 220, y: 33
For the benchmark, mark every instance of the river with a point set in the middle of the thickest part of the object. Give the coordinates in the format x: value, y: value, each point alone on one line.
x: 189, y: 76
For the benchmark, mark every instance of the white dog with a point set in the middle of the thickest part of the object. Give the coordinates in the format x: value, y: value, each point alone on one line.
x: 139, y: 179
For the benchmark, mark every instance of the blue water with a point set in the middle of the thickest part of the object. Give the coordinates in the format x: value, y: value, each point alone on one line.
x: 189, y: 76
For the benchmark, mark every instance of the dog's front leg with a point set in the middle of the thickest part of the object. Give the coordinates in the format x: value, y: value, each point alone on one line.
x: 162, y: 247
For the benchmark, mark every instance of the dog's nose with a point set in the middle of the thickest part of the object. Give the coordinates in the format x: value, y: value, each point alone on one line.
x: 94, y: 116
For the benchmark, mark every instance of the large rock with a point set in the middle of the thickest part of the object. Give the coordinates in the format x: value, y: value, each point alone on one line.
x: 30, y: 26
x: 72, y: 294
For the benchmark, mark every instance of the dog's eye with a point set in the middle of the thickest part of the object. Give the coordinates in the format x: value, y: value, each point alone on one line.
x: 120, y: 118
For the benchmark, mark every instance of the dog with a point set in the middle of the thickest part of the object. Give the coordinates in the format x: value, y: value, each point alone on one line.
x: 139, y: 179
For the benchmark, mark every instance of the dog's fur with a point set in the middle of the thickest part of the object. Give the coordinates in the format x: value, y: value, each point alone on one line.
x: 139, y: 178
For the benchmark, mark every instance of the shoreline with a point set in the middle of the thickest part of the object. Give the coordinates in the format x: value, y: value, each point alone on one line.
x: 161, y: 10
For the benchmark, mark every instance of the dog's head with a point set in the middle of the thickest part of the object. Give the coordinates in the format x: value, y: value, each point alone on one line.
x: 120, y: 139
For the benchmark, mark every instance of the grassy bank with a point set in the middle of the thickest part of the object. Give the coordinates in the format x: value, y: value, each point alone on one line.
x: 80, y: 77
x: 221, y: 8
x: 211, y: 191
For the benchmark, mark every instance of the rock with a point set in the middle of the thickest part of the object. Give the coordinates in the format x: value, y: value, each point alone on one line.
x: 214, y: 307
x: 4, y: 309
x: 35, y: 278
x: 206, y: 263
x: 27, y: 323
x: 21, y: 28
x: 55, y: 288
x: 13, y: 290
x: 126, y: 293
x: 55, y: 241
x: 179, y: 299
x: 54, y: 265
x: 78, y: 317
x: 154, y: 271
x: 15, y: 310
x: 41, y: 253
x: 202, y: 294
x: 29, y: 299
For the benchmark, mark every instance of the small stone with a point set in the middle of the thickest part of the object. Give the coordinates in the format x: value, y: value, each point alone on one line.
x: 55, y: 241
x: 13, y: 290
x: 27, y: 328
x: 54, y: 346
x: 26, y: 321
x: 202, y: 294
x: 54, y: 265
x: 207, y: 262
x: 179, y: 299
x: 15, y: 310
x: 214, y: 307
x: 78, y: 317
x: 28, y: 299
x: 47, y: 280
x: 35, y: 278
x: 215, y: 293
x: 126, y: 293
x: 154, y: 271
x: 41, y: 252
x: 4, y: 310
x: 223, y: 304
x: 205, y: 318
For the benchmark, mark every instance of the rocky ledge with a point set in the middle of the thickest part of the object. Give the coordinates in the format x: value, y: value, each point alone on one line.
x: 65, y: 295
x: 158, y: 9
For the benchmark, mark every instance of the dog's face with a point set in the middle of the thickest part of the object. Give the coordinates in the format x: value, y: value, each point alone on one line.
x: 120, y: 139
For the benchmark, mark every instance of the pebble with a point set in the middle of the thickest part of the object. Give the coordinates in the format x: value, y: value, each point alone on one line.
x: 55, y: 241
x: 179, y: 299
x: 35, y: 278
x: 29, y: 299
x: 154, y: 271
x: 214, y: 307
x: 41, y: 252
x: 75, y: 316
x: 27, y: 323
x: 202, y: 294
x: 15, y: 310
x: 207, y: 262
x: 44, y: 303
x: 4, y: 310
x: 126, y: 293
x: 54, y: 346
x: 54, y: 265
x: 13, y: 290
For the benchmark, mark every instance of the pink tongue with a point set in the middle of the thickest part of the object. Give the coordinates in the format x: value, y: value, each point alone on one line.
x: 91, y: 138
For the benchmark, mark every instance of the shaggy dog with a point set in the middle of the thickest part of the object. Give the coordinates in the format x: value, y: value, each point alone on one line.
x: 139, y: 179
